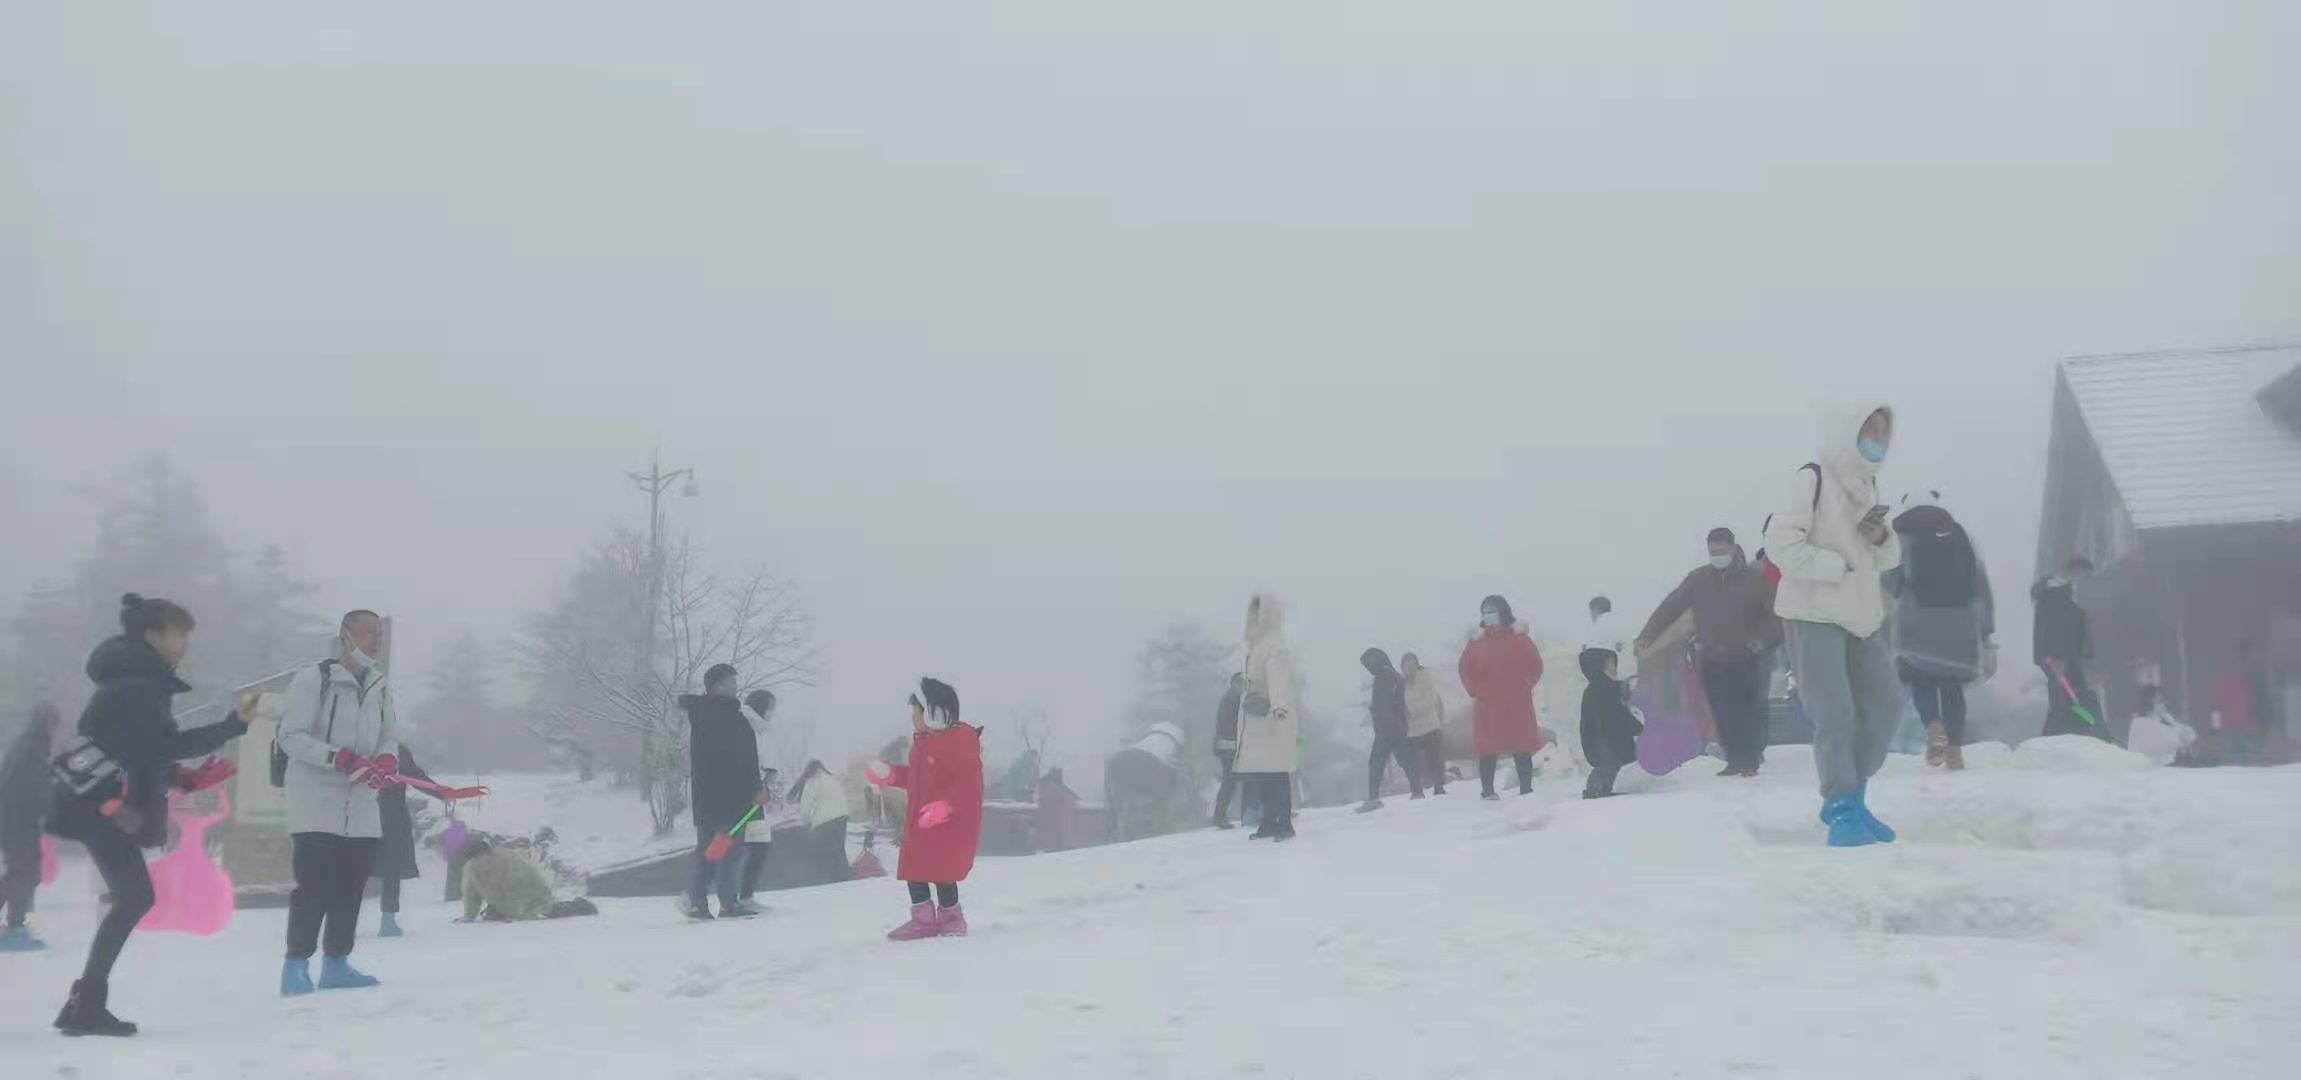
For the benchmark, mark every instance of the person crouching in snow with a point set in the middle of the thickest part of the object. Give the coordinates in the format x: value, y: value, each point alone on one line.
x: 943, y: 821
x: 1610, y: 729
x: 1834, y: 548
x: 2155, y: 734
x: 506, y: 886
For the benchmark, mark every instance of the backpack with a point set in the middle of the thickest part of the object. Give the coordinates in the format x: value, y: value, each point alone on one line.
x: 279, y: 768
x: 1765, y: 565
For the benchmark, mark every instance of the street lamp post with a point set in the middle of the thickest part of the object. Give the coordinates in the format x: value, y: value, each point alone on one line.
x: 654, y: 482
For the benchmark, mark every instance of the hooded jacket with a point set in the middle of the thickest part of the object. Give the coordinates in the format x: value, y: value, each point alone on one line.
x: 722, y: 758
x: 1500, y: 668
x: 1268, y: 743
x: 128, y: 719
x: 1830, y: 572
x: 1609, y: 729
x: 1387, y: 706
x: 1733, y: 612
x: 2060, y: 630
x: 946, y: 766
x: 506, y: 883
x: 341, y: 711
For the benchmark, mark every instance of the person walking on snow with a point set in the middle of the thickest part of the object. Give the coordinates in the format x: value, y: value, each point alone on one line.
x: 1269, y: 723
x: 2061, y: 641
x: 1226, y: 748
x: 1942, y: 625
x: 723, y: 785
x: 395, y: 860
x: 134, y: 737
x: 1610, y: 729
x: 1834, y: 547
x: 943, y: 821
x: 1500, y: 669
x: 340, y: 735
x: 24, y: 790
x: 1387, y: 708
x: 1735, y: 631
x: 1425, y: 722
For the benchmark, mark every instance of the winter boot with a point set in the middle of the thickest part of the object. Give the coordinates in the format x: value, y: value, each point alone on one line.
x: 1369, y: 806
x: 1936, y: 745
x: 1877, y: 828
x: 1955, y: 755
x: 925, y: 923
x: 20, y: 939
x: 699, y: 912
x: 85, y: 1013
x: 1417, y: 797
x: 953, y: 922
x: 390, y: 927
x: 1847, y: 828
x: 1731, y: 769
x: 295, y: 978
x: 337, y: 973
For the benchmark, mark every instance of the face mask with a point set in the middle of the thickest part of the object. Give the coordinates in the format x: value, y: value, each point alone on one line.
x: 1871, y: 450
x: 366, y: 662
x: 1489, y: 618
x: 1722, y: 562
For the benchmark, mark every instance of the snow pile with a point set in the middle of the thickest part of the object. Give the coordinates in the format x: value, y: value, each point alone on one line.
x: 2051, y: 913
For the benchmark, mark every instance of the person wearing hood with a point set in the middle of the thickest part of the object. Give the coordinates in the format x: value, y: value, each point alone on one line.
x: 340, y: 736
x: 723, y: 785
x: 133, y: 749
x: 943, y: 823
x: 1942, y: 625
x: 2061, y: 642
x: 1734, y: 631
x: 1269, y: 722
x: 1226, y: 747
x: 1425, y: 721
x: 24, y: 788
x: 1387, y: 708
x: 1834, y: 547
x: 1500, y: 668
x: 1610, y: 729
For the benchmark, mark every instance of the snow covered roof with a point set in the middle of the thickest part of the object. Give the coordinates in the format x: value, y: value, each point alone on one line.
x: 2185, y: 437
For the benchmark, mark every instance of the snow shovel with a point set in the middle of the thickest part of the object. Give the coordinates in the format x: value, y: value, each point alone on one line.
x: 725, y: 842
x: 2074, y: 706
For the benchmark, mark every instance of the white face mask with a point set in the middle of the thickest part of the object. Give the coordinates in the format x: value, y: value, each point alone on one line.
x: 1722, y: 562
x: 1489, y: 618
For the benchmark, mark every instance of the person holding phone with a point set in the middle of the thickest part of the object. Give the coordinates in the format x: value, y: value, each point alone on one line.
x: 1834, y: 548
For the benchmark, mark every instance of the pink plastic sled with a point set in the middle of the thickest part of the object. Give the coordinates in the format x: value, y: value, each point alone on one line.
x: 191, y: 893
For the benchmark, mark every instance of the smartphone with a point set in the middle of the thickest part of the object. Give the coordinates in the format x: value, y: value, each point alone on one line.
x: 1878, y: 513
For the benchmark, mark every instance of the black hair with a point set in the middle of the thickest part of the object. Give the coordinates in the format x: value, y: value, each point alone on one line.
x: 475, y: 848
x: 718, y: 671
x: 1721, y: 535
x: 1501, y: 607
x: 355, y: 614
x: 139, y: 616
x: 2145, y: 699
x: 939, y: 699
x: 761, y: 701
x: 1593, y: 663
x: 1601, y: 605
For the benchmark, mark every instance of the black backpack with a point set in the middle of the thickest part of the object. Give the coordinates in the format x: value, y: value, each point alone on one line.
x: 328, y: 699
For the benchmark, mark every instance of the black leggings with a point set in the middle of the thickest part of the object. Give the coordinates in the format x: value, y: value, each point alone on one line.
x: 121, y: 861
x: 1940, y: 701
x: 387, y: 894
x: 1488, y: 762
x: 22, y: 876
x: 946, y: 892
x: 1387, y: 747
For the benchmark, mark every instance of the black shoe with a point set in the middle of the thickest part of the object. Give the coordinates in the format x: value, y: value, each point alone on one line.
x: 1261, y: 833
x: 738, y: 910
x: 1369, y: 806
x: 1414, y: 797
x: 1730, y: 770
x: 1750, y: 772
x: 1438, y: 791
x: 84, y: 1013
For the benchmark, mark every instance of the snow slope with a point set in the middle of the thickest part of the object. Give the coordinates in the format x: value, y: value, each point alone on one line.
x: 2057, y: 911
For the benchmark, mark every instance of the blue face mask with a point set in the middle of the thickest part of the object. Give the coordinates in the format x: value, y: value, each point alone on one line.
x: 366, y: 662
x: 1871, y: 450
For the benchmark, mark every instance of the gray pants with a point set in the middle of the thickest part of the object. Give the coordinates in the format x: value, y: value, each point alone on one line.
x: 1851, y: 694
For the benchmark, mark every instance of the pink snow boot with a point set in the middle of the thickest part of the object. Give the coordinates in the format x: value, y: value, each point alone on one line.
x: 924, y: 924
x: 954, y: 922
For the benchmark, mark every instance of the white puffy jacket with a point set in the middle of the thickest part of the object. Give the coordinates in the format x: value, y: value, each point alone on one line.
x: 1830, y: 573
x: 348, y: 713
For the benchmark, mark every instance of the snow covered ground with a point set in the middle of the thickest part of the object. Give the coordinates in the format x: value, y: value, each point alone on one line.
x: 2056, y: 911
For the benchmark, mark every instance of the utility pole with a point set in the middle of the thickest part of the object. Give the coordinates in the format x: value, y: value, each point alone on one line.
x: 654, y: 482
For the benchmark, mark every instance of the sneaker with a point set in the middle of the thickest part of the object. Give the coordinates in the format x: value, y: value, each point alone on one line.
x: 1416, y: 797
x: 20, y: 939
x: 85, y: 1013
x: 337, y: 973
x: 390, y: 927
x: 1490, y: 796
x: 952, y: 922
x: 295, y: 978
x: 697, y: 912
x: 738, y: 910
x: 1369, y: 806
x: 925, y: 923
x: 1730, y: 770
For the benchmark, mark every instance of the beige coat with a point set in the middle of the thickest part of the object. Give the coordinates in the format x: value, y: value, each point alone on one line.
x: 1425, y: 709
x: 1269, y: 744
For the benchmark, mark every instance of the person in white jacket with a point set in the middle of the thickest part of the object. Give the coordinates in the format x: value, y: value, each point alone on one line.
x: 340, y: 736
x: 1833, y: 546
x: 1269, y: 727
x: 2155, y: 734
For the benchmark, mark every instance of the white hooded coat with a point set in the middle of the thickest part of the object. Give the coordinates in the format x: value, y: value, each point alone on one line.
x: 1830, y: 573
x: 1268, y: 744
x: 349, y: 713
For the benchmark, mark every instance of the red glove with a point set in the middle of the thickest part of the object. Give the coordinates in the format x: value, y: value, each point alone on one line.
x: 208, y: 774
x: 383, y: 772
x: 348, y: 763
x: 935, y: 813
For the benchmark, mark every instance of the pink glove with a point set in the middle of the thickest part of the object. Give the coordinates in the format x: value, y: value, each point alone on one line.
x: 383, y: 772
x: 878, y: 773
x: 935, y: 813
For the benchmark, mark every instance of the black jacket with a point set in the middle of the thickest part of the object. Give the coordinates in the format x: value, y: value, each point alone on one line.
x: 1609, y: 729
x: 395, y: 858
x: 1388, y: 705
x: 129, y: 719
x: 1226, y: 722
x: 24, y: 786
x: 723, y: 756
x: 2061, y: 631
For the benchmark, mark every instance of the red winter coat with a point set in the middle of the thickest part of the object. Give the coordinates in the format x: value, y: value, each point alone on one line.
x: 1500, y: 669
x: 945, y: 766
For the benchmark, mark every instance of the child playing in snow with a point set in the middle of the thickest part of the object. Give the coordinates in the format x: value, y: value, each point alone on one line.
x: 505, y: 886
x: 2155, y: 734
x: 943, y: 823
x: 1610, y: 729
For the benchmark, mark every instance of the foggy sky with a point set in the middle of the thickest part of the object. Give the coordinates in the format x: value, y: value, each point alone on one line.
x: 1015, y: 330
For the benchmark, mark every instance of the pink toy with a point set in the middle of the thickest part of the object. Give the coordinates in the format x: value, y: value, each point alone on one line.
x: 191, y: 892
x: 934, y: 814
x: 48, y: 866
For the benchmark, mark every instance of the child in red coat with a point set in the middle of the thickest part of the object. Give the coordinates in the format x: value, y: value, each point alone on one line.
x: 943, y: 823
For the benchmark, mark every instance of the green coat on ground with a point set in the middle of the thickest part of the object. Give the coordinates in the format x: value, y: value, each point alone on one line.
x: 506, y: 883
